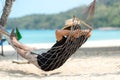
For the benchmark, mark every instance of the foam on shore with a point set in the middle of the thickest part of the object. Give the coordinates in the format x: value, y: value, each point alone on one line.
x: 88, y: 44
x: 102, y: 43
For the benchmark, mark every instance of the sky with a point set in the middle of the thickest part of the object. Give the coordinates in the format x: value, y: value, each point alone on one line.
x: 27, y: 7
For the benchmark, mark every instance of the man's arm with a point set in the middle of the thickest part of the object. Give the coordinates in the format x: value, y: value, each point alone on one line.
x: 87, y: 25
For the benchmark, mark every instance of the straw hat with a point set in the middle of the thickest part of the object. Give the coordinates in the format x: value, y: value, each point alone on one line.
x: 70, y: 22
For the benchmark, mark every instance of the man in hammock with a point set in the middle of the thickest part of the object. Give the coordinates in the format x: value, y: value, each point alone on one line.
x: 40, y: 59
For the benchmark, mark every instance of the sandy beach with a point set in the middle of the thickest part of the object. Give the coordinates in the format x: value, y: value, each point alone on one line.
x: 95, y: 60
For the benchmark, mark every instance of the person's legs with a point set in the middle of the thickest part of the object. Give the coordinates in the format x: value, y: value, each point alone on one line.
x: 20, y: 45
x: 32, y: 58
x: 21, y: 52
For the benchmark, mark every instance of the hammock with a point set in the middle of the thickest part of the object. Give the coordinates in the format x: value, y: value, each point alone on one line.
x: 61, y: 53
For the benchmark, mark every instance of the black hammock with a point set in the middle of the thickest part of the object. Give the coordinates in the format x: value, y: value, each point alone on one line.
x: 57, y: 56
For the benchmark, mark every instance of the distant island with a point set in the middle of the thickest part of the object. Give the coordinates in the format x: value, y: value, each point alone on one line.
x: 107, y: 14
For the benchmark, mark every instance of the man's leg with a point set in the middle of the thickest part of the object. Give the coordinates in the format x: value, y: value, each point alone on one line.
x: 32, y: 58
x: 21, y: 52
x: 20, y: 45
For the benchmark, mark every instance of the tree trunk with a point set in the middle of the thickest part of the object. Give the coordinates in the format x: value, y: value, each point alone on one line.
x: 6, y: 12
x: 4, y: 17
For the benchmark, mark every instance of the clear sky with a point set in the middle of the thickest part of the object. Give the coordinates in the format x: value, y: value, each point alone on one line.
x: 27, y: 7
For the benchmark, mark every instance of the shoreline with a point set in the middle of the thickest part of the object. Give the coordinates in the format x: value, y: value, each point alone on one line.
x: 88, y: 44
x: 109, y: 28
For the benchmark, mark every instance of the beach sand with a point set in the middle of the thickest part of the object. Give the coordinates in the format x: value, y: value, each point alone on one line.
x: 101, y: 62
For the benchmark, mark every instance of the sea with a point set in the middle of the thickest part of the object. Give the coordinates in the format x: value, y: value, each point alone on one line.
x: 48, y: 36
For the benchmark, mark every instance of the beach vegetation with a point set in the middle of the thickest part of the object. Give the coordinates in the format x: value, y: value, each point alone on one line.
x: 107, y: 14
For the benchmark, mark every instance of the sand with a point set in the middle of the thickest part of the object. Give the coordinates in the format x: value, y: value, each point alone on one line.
x: 88, y: 63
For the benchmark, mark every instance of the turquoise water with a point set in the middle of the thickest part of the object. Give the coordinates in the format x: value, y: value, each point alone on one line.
x: 48, y: 36
x: 105, y: 35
